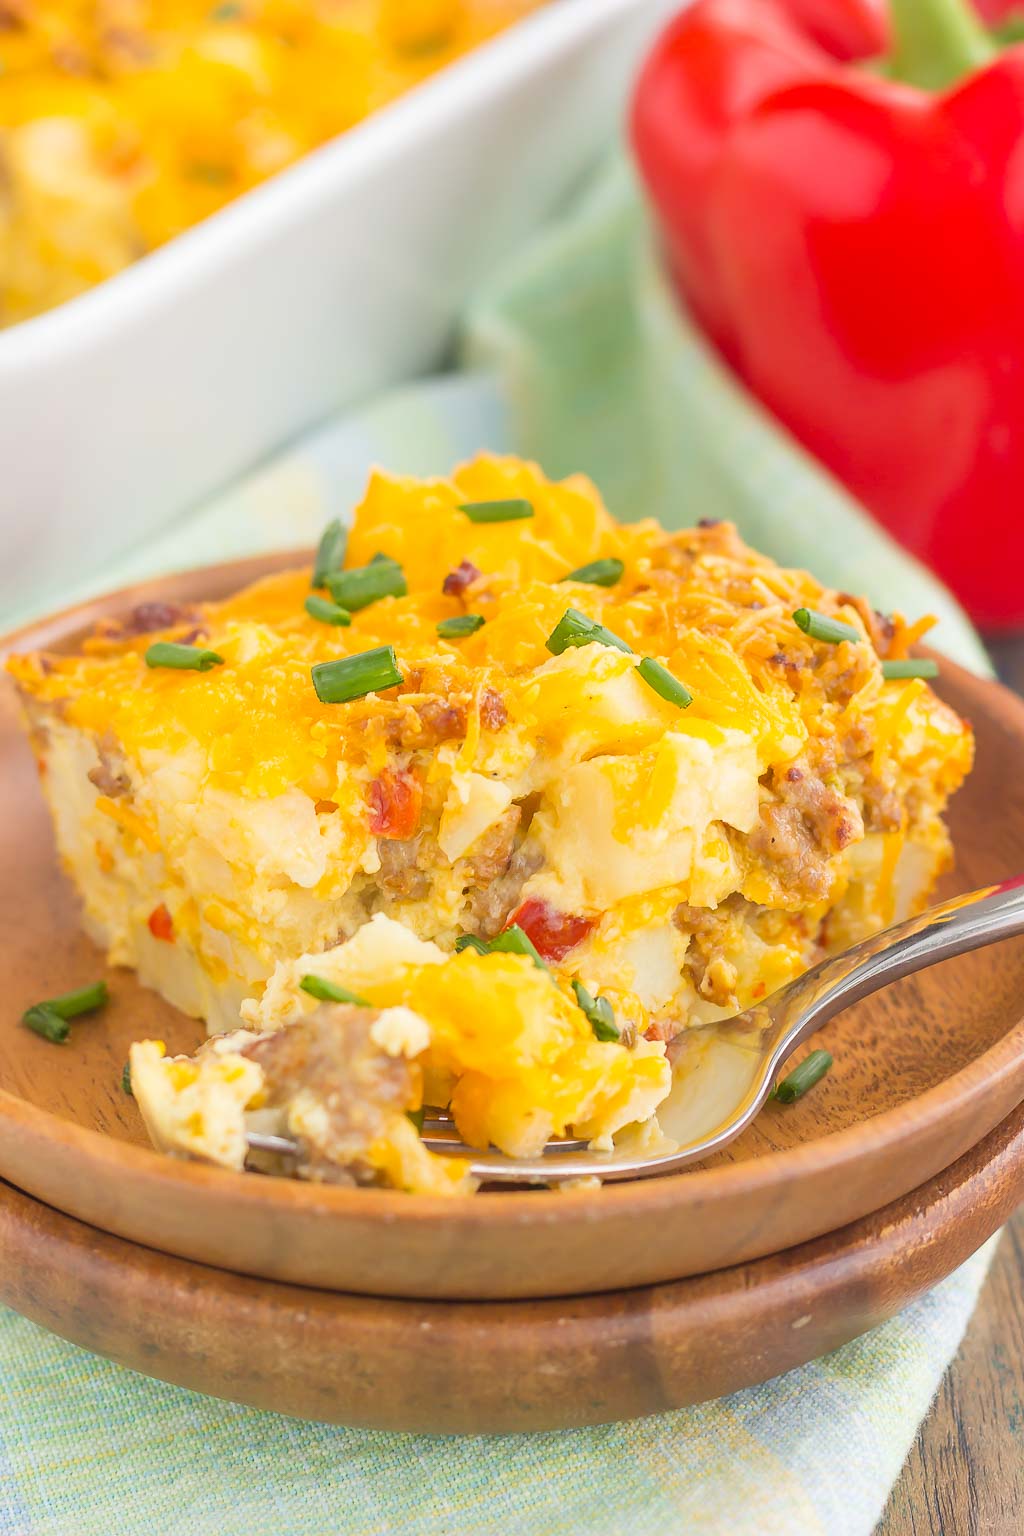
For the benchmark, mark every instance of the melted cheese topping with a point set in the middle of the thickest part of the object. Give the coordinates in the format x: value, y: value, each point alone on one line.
x: 261, y: 729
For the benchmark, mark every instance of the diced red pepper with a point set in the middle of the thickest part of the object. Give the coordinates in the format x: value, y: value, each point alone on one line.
x: 161, y: 924
x: 395, y: 801
x: 551, y: 933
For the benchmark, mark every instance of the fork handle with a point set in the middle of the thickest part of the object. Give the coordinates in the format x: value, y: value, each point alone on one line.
x: 952, y: 928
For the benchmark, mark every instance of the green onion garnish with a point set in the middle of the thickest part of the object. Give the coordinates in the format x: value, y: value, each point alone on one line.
x: 50, y: 1017
x: 353, y: 677
x: 417, y: 1117
x: 497, y: 511
x: 464, y: 624
x: 70, y: 1004
x: 513, y: 941
x: 326, y: 612
x: 599, y: 573
x: 326, y: 992
x: 126, y: 1079
x: 470, y: 941
x: 330, y: 553
x: 366, y: 584
x: 664, y: 684
x: 181, y: 658
x: 912, y: 667
x: 45, y: 1022
x: 574, y: 628
x: 809, y: 1072
x: 599, y: 1012
x: 820, y: 627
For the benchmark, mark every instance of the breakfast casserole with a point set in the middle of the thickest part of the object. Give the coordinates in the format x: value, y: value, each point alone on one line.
x: 481, y: 813
x: 123, y: 122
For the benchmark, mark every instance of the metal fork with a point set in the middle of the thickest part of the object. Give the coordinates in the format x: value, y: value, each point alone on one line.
x: 439, y: 1134
x: 724, y: 1072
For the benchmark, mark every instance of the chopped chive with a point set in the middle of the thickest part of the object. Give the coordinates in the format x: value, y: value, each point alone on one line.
x: 513, y: 941
x: 574, y: 628
x: 664, y: 684
x: 43, y: 1021
x: 330, y: 553
x: 366, y: 584
x: 470, y: 941
x: 912, y: 667
x: 599, y: 573
x: 326, y: 612
x: 803, y: 1077
x: 353, y: 677
x: 85, y: 1000
x: 417, y: 1117
x: 820, y: 627
x: 379, y: 556
x: 599, y: 1012
x: 497, y: 511
x: 126, y: 1079
x: 181, y: 658
x: 326, y: 992
x: 50, y: 1018
x: 464, y: 624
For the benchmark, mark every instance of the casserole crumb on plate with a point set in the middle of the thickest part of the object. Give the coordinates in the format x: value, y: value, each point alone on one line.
x: 603, y: 787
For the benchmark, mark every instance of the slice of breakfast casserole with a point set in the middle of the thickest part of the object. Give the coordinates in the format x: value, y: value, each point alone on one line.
x: 654, y: 764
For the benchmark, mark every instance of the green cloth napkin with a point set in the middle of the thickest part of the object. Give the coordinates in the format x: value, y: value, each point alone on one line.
x: 89, y: 1449
x: 576, y: 355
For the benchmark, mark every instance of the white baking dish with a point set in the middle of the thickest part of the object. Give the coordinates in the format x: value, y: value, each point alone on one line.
x: 341, y: 276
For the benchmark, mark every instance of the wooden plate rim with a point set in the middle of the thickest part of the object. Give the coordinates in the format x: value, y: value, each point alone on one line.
x: 829, y: 1153
x: 573, y: 1359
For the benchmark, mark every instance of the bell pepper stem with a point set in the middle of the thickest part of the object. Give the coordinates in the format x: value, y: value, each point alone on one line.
x: 937, y: 42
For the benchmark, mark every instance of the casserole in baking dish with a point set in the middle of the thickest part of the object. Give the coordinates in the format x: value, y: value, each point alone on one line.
x: 123, y: 122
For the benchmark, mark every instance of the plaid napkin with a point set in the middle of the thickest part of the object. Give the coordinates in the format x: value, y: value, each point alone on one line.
x: 575, y: 355
x: 89, y: 1449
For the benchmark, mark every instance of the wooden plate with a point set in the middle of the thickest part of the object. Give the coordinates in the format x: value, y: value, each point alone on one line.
x: 490, y: 1367
x: 922, y: 1073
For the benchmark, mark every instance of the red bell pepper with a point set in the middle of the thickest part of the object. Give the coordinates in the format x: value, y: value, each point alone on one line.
x: 850, y: 29
x: 552, y: 934
x: 396, y: 803
x: 851, y: 236
x: 1005, y: 16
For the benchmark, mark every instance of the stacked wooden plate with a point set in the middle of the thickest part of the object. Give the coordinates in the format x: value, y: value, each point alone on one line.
x: 511, y: 1311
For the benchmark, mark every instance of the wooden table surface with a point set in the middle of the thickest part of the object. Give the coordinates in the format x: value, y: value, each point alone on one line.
x: 965, y: 1474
